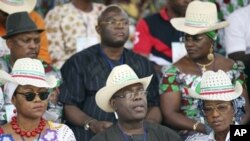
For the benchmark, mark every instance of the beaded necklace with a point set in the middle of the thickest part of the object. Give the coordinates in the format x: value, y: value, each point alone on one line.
x: 27, y: 134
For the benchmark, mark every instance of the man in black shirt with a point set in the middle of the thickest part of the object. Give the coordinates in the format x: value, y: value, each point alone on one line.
x: 87, y: 71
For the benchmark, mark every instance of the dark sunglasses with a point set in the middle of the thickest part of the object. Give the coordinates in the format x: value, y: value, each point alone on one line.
x: 30, y: 96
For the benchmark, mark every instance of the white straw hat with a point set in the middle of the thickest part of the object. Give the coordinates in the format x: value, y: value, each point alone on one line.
x: 201, y: 17
x: 217, y: 86
x: 120, y: 77
x: 13, y: 6
x: 27, y: 71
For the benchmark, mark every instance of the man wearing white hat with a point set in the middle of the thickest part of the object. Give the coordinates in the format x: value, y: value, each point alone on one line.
x: 221, y: 104
x: 8, y: 7
x: 125, y: 94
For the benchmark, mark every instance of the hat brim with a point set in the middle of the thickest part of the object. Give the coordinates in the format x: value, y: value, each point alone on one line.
x: 104, y: 95
x: 28, y: 6
x: 179, y: 24
x: 22, y: 31
x: 222, y: 97
x: 49, y: 82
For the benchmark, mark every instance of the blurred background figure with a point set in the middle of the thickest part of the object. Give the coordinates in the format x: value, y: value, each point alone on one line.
x: 220, y: 103
x: 71, y: 28
x: 8, y: 7
x: 154, y: 36
x: 225, y: 8
x: 237, y: 38
x: 178, y: 108
x: 28, y: 89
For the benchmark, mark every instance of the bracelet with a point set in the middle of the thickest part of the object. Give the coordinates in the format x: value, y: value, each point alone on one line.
x: 196, y: 125
x: 87, y: 123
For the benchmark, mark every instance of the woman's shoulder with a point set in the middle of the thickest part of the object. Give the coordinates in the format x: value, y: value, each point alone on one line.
x: 57, y: 126
x: 64, y: 133
x: 228, y: 64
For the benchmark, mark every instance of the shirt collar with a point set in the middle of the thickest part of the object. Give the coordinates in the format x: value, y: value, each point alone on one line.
x: 212, y: 138
x: 164, y: 14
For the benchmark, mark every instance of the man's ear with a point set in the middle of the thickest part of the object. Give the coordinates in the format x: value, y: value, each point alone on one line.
x: 112, y: 104
x: 9, y: 43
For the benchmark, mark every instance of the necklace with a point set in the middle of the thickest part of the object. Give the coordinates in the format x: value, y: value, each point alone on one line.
x: 203, y: 66
x: 32, y: 133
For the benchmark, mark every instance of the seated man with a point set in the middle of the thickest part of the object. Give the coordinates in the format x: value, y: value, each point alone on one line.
x: 125, y: 95
x: 8, y: 7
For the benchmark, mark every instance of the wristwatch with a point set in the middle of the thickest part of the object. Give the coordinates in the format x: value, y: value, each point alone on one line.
x: 86, y: 124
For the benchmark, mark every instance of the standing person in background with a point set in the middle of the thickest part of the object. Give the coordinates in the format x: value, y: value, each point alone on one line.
x: 82, y: 77
x: 71, y: 28
x: 237, y: 38
x: 126, y: 95
x: 23, y: 40
x: 178, y: 108
x: 9, y: 6
x: 220, y: 103
x: 154, y: 34
x: 225, y: 8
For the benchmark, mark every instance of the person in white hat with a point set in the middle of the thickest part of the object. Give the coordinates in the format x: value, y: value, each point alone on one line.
x: 125, y: 94
x: 23, y: 40
x: 220, y: 103
x: 28, y: 88
x: 8, y: 7
x: 179, y: 109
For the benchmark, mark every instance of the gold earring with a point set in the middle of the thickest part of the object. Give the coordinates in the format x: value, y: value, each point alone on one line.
x: 210, y: 56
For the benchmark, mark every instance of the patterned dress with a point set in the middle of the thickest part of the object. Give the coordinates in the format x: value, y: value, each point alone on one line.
x: 68, y: 28
x: 55, y: 132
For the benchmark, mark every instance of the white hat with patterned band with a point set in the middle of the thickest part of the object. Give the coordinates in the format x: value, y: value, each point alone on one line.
x: 13, y: 6
x: 120, y: 77
x: 217, y: 86
x: 201, y: 17
x: 27, y: 71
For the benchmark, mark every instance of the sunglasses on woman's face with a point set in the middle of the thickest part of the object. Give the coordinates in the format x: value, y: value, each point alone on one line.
x: 30, y: 96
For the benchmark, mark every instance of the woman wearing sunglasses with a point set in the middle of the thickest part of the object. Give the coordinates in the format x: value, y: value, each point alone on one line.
x: 178, y: 108
x: 220, y: 102
x: 28, y: 89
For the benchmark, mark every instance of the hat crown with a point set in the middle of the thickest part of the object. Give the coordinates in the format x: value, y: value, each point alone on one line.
x: 215, y: 82
x: 30, y: 68
x: 120, y: 75
x: 201, y: 14
x: 19, y: 22
x: 13, y: 2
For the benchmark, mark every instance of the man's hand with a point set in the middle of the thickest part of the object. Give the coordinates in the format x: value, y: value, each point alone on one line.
x: 98, y: 126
